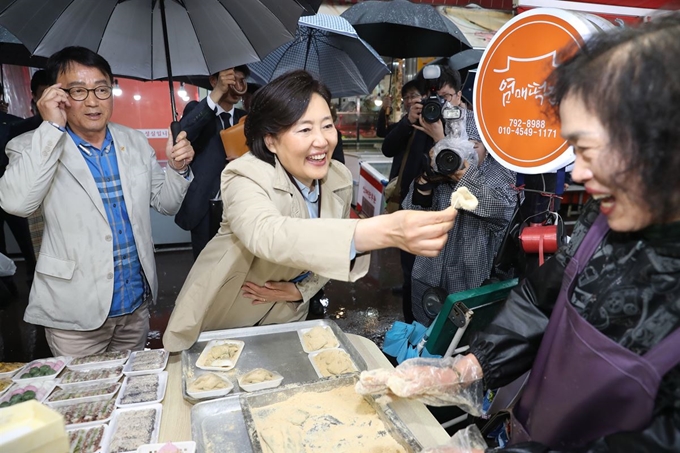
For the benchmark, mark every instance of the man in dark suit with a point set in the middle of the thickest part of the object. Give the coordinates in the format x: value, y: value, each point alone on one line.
x: 203, y: 124
x: 12, y: 126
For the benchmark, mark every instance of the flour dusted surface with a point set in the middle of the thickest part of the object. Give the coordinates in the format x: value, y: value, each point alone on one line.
x: 335, y: 421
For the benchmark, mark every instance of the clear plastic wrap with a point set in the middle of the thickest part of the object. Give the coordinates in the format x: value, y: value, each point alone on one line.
x: 451, y: 381
x: 461, y: 146
x: 468, y: 440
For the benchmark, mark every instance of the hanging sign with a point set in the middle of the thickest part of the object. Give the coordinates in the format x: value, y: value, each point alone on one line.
x: 511, y: 93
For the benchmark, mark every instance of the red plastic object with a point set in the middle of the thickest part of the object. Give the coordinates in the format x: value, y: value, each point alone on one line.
x: 539, y: 239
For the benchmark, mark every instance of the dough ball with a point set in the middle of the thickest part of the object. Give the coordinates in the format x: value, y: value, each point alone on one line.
x: 463, y: 199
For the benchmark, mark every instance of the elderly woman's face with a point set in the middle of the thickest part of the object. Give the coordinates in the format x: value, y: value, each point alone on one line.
x: 597, y: 166
x: 305, y: 149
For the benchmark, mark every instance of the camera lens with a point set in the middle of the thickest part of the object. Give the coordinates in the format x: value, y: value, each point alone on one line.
x: 432, y: 111
x: 448, y: 162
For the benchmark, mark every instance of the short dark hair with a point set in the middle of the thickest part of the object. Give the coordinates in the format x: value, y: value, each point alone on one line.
x: 277, y: 106
x: 244, y: 69
x: 62, y: 60
x: 39, y: 78
x: 629, y: 79
x: 411, y: 85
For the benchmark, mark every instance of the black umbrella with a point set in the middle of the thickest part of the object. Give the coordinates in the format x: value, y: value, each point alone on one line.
x: 401, y: 29
x: 12, y: 51
x: 156, y: 39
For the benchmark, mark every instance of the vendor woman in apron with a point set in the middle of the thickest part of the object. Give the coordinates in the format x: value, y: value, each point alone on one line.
x: 598, y: 325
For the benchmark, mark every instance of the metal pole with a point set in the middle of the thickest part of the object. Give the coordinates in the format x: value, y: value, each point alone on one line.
x: 167, y: 60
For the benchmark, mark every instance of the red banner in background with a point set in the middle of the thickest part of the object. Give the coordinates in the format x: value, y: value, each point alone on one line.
x: 146, y: 106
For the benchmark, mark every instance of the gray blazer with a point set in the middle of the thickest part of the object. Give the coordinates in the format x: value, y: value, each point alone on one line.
x: 73, y: 284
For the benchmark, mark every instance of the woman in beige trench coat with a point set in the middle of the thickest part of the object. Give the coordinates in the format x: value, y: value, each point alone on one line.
x: 270, y: 233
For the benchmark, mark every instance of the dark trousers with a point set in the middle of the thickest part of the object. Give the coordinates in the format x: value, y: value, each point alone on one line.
x: 200, y: 235
x: 407, y: 261
x: 19, y: 228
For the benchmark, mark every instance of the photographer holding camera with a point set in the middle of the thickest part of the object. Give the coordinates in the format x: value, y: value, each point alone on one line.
x: 460, y: 160
x: 409, y: 142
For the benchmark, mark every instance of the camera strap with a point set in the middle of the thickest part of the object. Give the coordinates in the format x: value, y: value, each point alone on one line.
x: 400, y: 175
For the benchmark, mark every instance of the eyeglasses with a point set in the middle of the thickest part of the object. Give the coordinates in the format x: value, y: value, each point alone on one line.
x: 80, y: 94
x: 412, y: 96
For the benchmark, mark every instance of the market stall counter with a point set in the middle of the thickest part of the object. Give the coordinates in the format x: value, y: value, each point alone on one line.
x: 176, y: 423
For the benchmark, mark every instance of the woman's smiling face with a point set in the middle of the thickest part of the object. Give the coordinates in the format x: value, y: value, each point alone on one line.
x: 598, y: 167
x: 306, y: 148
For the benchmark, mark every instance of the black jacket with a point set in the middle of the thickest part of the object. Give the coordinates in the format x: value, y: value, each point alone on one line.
x: 395, y: 145
x: 508, y: 346
x: 202, y: 127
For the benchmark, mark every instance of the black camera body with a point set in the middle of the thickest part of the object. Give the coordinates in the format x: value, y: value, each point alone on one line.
x: 447, y: 162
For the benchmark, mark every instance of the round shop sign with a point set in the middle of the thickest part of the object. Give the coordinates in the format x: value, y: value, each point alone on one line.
x: 511, y: 94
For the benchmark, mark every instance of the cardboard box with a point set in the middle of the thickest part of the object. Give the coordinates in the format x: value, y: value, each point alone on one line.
x: 31, y: 427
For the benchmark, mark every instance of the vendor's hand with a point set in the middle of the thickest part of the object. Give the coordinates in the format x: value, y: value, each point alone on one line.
x: 422, y: 233
x: 181, y: 154
x: 225, y: 79
x: 271, y: 292
x: 434, y: 130
x: 53, y: 103
x: 373, y: 382
x: 440, y: 382
x: 414, y: 112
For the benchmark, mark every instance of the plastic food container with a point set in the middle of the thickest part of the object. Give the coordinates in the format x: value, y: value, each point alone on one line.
x: 83, y: 393
x: 318, y: 372
x: 162, y: 383
x: 105, y: 359
x: 9, y: 374
x: 120, y: 422
x: 184, y: 447
x: 159, y: 359
x: 32, y: 427
x: 260, y: 385
x: 228, y: 365
x: 211, y: 393
x: 55, y: 364
x: 83, y: 415
x: 90, y: 376
x: 5, y: 385
x: 39, y: 389
x: 90, y: 440
x: 328, y: 330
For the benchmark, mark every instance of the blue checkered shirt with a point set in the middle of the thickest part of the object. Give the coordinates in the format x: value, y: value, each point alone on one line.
x: 129, y: 284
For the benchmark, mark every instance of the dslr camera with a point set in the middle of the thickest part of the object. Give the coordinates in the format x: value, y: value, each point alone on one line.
x: 434, y: 106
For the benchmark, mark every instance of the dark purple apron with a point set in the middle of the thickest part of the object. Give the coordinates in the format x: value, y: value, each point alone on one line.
x: 583, y: 385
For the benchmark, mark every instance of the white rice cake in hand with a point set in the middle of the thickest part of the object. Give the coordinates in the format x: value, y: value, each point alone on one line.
x: 462, y: 198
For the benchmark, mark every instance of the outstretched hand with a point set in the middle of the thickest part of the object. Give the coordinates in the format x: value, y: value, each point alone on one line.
x: 423, y: 232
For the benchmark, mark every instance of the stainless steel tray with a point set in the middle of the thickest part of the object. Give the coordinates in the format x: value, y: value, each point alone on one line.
x: 218, y: 426
x: 274, y: 347
x: 222, y: 425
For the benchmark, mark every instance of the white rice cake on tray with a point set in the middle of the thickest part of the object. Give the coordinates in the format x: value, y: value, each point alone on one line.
x: 82, y: 391
x: 97, y: 374
x: 317, y: 338
x: 148, y: 360
x: 86, y: 440
x: 134, y: 427
x: 332, y: 362
x: 141, y: 389
x: 93, y: 360
x: 92, y: 412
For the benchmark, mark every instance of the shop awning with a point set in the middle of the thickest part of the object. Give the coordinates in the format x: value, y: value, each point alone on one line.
x: 477, y: 24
